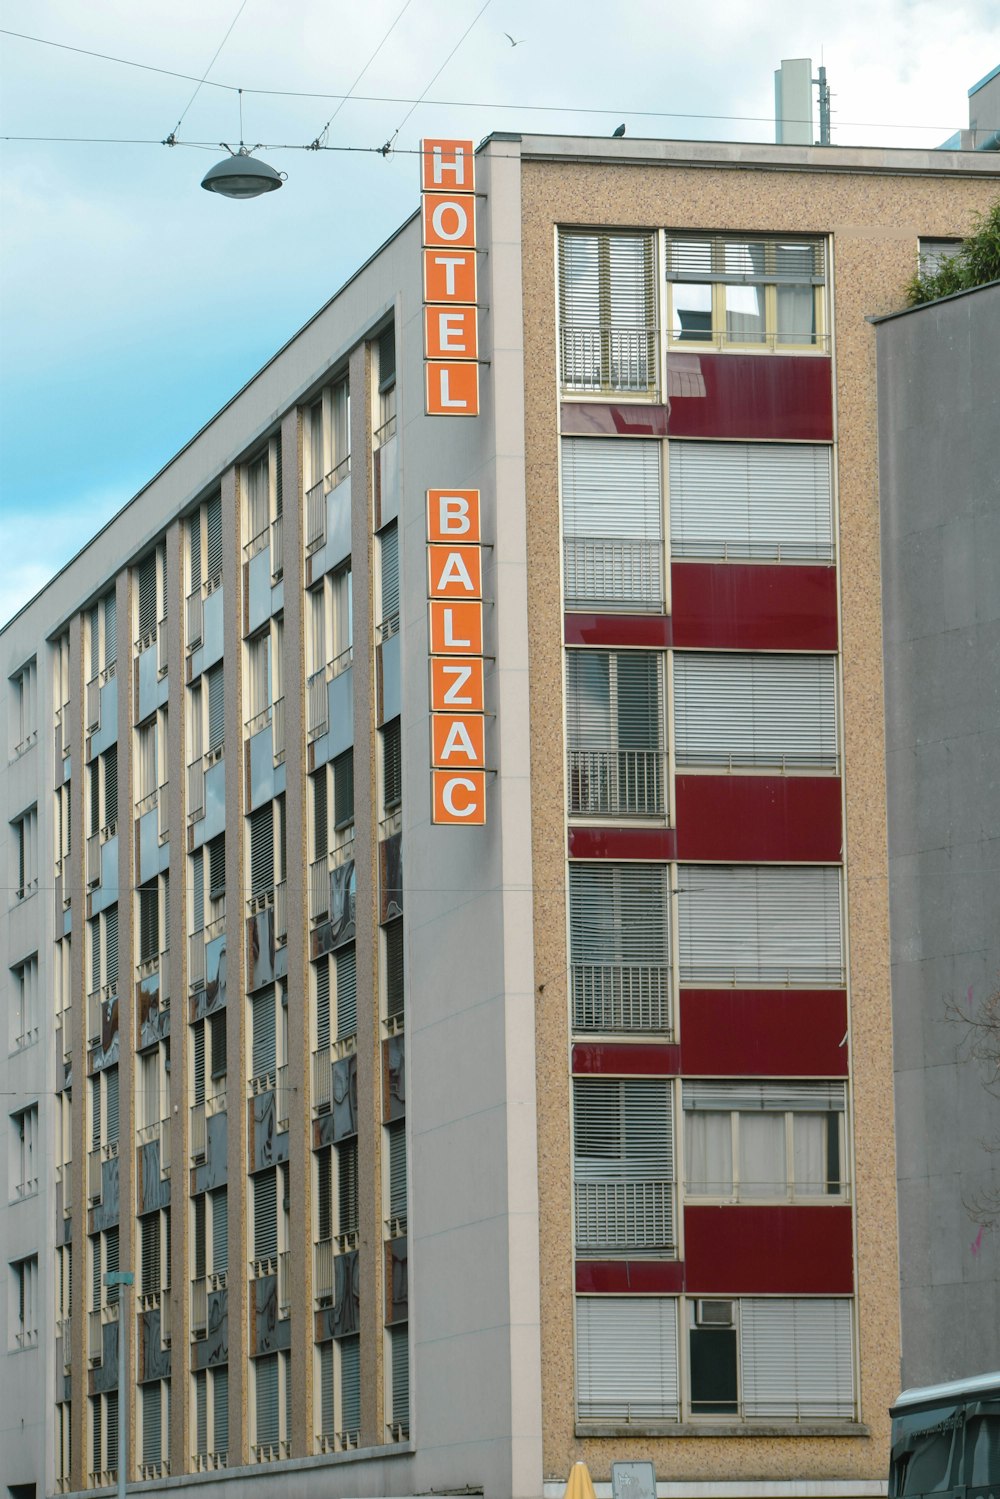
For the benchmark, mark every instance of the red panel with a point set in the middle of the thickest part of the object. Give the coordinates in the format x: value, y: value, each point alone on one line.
x: 650, y: 630
x: 665, y: 1276
x: 622, y: 843
x: 746, y: 606
x: 602, y: 419
x: 786, y: 1251
x: 781, y: 818
x: 763, y: 1032
x: 641, y: 1059
x: 779, y: 396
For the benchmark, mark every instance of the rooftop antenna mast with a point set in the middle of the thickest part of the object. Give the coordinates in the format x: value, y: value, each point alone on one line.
x: 824, y: 106
x: 793, y: 103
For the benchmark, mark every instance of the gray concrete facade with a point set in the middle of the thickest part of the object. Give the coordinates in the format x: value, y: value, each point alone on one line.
x: 939, y: 406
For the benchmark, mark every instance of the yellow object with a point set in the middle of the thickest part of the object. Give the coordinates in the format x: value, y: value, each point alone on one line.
x: 580, y: 1485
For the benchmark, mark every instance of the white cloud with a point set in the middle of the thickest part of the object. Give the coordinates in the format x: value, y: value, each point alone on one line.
x: 35, y: 547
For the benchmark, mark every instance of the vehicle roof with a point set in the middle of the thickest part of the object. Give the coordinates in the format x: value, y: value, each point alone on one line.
x: 957, y: 1389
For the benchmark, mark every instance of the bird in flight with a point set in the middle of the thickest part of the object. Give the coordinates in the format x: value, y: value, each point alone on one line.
x: 512, y: 41
x: 620, y: 131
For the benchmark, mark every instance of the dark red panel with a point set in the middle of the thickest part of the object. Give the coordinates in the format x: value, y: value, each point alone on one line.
x: 665, y: 1276
x: 641, y: 1059
x: 779, y: 818
x: 650, y: 630
x: 622, y: 843
x: 604, y: 419
x: 763, y: 1032
x: 748, y: 606
x: 788, y: 1251
x: 779, y: 396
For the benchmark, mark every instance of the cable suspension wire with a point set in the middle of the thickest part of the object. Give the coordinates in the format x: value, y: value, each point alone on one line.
x: 389, y: 143
x: 320, y: 137
x: 629, y: 111
x: 173, y: 134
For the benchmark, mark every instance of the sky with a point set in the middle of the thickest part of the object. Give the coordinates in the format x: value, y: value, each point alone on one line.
x: 133, y: 304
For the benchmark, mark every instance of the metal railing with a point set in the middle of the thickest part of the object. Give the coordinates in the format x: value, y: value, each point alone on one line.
x: 198, y: 1140
x: 281, y: 913
x: 257, y: 544
x: 94, y: 1174
x: 617, y: 783
x: 315, y: 516
x: 322, y: 1080
x: 196, y: 960
x: 281, y: 1096
x: 146, y: 803
x: 277, y: 547
x: 622, y: 571
x: 196, y: 773
x: 165, y: 1148
x: 621, y: 997
x: 270, y: 1452
x: 607, y: 358
x: 317, y: 700
x: 284, y: 1283
x: 95, y: 1337
x: 278, y: 730
x: 323, y: 1270
x: 320, y: 871
x: 260, y: 720
x: 199, y: 1306
x: 195, y: 614
x: 624, y: 1214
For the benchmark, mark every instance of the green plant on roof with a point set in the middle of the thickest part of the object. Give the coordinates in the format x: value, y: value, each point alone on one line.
x: 974, y: 263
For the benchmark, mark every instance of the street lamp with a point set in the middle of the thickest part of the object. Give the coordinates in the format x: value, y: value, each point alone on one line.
x: 122, y: 1279
x: 240, y: 175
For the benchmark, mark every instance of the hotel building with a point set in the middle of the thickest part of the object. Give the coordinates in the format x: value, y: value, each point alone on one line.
x: 443, y: 1156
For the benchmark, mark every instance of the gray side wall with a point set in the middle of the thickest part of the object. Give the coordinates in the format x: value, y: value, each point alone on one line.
x: 939, y: 410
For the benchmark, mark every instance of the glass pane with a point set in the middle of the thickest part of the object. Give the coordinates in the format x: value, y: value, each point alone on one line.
x: 691, y: 306
x: 745, y: 314
x: 762, y: 1155
x: 810, y: 1153
x: 713, y: 1371
x: 741, y: 259
x: 796, y: 315
x: 709, y: 1139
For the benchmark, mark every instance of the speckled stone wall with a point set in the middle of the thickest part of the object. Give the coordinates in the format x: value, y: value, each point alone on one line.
x: 875, y: 220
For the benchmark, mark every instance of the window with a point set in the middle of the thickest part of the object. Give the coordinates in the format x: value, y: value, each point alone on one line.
x: 24, y: 1005
x: 396, y: 1193
x: 104, y: 1113
x: 388, y: 546
x: 626, y: 1359
x: 146, y: 758
x: 104, y: 951
x: 392, y: 766
x: 64, y: 825
x: 386, y: 417
x: 24, y: 833
x: 154, y: 1416
x: 272, y: 1402
x: 23, y: 1320
x: 747, y: 710
x: 614, y: 729
x: 25, y: 1152
x: 102, y: 634
x: 24, y: 707
x: 768, y: 501
x: 749, y: 1141
x: 211, y: 1417
x: 734, y: 291
x: 932, y: 252
x: 395, y: 994
x: 205, y: 548
x: 623, y: 1166
x: 612, y: 523
x: 343, y: 789
x: 262, y: 849
x: 619, y: 947
x: 399, y: 1381
x: 63, y: 1443
x: 263, y: 667
x: 349, y: 1350
x: 749, y: 924
x: 329, y: 446
x: 148, y: 902
x: 262, y: 491
x: 150, y: 577
x: 104, y: 1438
x: 330, y: 634
x: 607, y: 312
x: 758, y: 1358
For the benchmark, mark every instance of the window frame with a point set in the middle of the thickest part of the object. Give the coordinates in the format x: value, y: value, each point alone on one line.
x: 717, y: 279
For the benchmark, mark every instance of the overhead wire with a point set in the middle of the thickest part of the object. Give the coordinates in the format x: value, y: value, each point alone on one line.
x: 389, y: 143
x: 173, y: 134
x: 319, y: 137
x: 629, y: 111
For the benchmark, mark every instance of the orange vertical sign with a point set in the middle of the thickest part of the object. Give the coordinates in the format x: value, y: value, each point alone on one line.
x: 448, y: 235
x: 459, y: 797
x: 452, y: 389
x: 447, y: 165
x: 453, y: 515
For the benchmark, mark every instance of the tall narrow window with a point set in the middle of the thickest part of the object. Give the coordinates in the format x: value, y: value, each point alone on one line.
x: 730, y: 291
x: 760, y: 924
x: 614, y: 730
x: 607, y: 311
x: 619, y: 947
x: 760, y: 500
x: 623, y: 1165
x: 612, y: 523
x: 755, y: 710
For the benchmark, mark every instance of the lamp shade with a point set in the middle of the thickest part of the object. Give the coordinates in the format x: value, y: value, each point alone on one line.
x: 241, y: 176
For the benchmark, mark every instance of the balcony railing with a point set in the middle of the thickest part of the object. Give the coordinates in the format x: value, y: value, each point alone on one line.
x: 199, y: 1307
x: 63, y: 730
x: 315, y: 516
x: 617, y: 783
x: 94, y: 1175
x: 95, y: 843
x: 196, y: 773
x: 278, y: 731
x: 606, y: 358
x: 319, y: 877
x: 196, y: 960
x: 95, y: 1337
x: 277, y: 548
x: 196, y: 610
x: 284, y: 1283
x: 270, y: 1452
x: 256, y: 544
x: 323, y: 1270
x: 618, y: 572
x: 621, y: 997
x: 198, y: 1140
x: 281, y: 1096
x: 612, y: 1215
x: 317, y: 698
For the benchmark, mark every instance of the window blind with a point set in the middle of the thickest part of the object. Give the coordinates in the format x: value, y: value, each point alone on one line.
x: 399, y: 1346
x: 194, y: 550
x: 264, y: 1033
x: 150, y: 1252
x: 217, y: 1023
x: 213, y: 536
x: 320, y: 821
x: 110, y: 628
x: 397, y: 1170
x: 265, y: 1215
x: 266, y: 1392
x: 216, y: 848
x: 394, y: 995
x: 796, y: 1357
x: 151, y: 1423
x: 743, y: 709
x: 392, y: 765
x: 389, y: 556
x: 324, y: 1192
x: 261, y: 849
x: 818, y: 1097
x: 347, y: 992
x: 220, y: 1230
x: 760, y: 924
x: 323, y: 1003
x: 612, y: 522
x: 350, y: 1383
x: 111, y: 946
x: 742, y: 258
x: 626, y: 1359
x: 343, y: 788
x: 216, y: 707
x: 198, y: 890
x: 201, y: 1413
x: 111, y: 1104
x: 110, y: 763
x: 326, y: 1405
x: 220, y: 1410
x: 200, y: 1239
x: 347, y: 1187
x: 147, y: 595
x: 607, y: 311
x: 763, y: 500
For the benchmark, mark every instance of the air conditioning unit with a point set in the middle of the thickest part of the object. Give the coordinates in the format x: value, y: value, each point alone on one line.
x: 714, y: 1313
